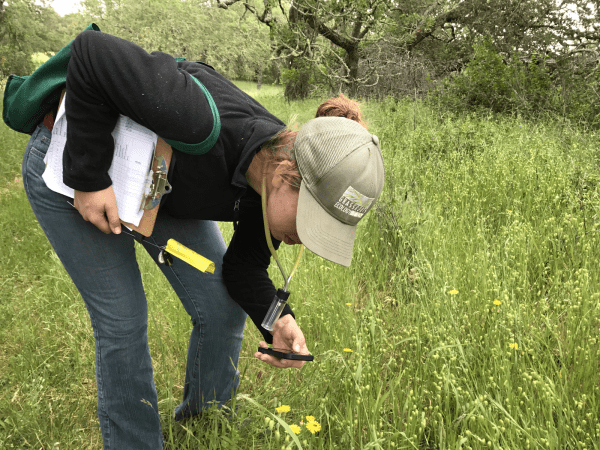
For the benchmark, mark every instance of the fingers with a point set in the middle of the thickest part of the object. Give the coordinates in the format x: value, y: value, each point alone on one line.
x: 99, y: 208
x: 281, y: 363
x: 100, y: 222
x: 113, y: 216
x: 288, y: 337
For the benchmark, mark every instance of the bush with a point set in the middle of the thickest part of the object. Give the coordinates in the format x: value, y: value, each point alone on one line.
x: 303, y: 80
x: 14, y: 61
x: 490, y: 82
x: 523, y: 85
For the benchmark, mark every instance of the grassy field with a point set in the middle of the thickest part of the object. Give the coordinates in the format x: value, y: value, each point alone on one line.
x: 468, y: 319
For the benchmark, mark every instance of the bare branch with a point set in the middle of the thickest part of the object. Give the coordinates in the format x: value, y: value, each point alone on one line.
x: 333, y: 36
x: 266, y: 17
x: 225, y: 4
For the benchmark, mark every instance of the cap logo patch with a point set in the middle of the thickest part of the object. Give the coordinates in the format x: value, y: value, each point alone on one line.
x: 353, y: 203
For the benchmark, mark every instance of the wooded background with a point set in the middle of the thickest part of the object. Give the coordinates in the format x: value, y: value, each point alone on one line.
x: 527, y: 57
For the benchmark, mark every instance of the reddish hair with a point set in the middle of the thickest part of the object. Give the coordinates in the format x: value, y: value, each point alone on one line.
x: 341, y: 106
x: 280, y: 147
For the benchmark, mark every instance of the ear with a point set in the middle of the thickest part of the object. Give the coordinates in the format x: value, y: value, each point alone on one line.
x: 277, y: 181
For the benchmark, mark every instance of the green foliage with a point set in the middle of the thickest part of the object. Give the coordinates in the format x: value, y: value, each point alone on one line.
x: 14, y: 61
x: 303, y: 80
x: 473, y: 309
x: 490, y: 82
x: 237, y: 47
x: 12, y: 145
x: 486, y: 79
x: 520, y: 84
x: 28, y: 27
x: 19, y: 21
x: 579, y: 93
x: 443, y: 36
x: 37, y: 59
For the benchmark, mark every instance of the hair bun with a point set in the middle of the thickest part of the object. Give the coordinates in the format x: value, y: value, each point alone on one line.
x: 341, y: 106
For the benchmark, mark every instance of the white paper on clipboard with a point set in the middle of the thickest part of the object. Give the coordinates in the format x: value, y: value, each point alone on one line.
x: 130, y: 169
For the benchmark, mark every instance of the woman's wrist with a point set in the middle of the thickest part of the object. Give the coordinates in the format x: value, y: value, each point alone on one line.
x: 282, y: 322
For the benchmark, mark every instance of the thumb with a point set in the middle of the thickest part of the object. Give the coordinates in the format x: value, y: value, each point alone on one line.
x: 112, y: 213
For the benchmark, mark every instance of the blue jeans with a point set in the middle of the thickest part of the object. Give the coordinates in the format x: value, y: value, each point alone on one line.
x: 105, y: 271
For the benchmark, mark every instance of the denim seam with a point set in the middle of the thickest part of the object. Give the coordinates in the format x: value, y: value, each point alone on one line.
x: 100, y: 384
x: 184, y: 287
x: 196, y: 374
x: 26, y: 161
x: 36, y: 152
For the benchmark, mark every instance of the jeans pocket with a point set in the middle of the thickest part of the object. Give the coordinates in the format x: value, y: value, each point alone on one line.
x: 33, y: 160
x: 40, y: 145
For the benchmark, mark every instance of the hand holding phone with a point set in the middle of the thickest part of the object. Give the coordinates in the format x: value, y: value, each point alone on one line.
x: 287, y: 339
x: 284, y: 354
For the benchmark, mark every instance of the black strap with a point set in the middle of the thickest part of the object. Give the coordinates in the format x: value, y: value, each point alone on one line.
x: 138, y: 236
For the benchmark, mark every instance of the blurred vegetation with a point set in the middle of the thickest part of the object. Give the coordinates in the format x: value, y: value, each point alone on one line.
x: 27, y: 28
x: 532, y: 58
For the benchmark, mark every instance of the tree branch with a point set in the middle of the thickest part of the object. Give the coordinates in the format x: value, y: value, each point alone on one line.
x: 333, y: 36
x: 225, y: 4
x: 454, y: 15
x: 266, y: 17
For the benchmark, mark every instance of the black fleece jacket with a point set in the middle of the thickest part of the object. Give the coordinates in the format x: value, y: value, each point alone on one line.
x: 108, y: 76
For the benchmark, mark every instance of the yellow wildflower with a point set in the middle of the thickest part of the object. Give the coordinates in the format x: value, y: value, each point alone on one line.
x: 348, y: 304
x: 514, y: 345
x: 313, y: 426
x: 310, y: 419
x: 453, y: 292
x: 349, y: 350
x: 283, y: 409
x: 295, y: 428
x: 497, y: 302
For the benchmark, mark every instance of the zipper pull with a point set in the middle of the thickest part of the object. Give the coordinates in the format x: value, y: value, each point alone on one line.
x: 236, y: 214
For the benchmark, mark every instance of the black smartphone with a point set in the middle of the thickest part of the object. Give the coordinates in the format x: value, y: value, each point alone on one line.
x: 283, y: 355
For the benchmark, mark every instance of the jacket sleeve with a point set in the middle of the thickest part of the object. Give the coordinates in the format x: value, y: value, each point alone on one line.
x: 245, y: 270
x: 108, y: 76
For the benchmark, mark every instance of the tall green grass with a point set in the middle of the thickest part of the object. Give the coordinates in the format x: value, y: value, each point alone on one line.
x: 468, y: 318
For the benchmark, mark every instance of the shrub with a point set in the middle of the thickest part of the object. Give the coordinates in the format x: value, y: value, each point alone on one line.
x: 523, y: 84
x: 502, y: 86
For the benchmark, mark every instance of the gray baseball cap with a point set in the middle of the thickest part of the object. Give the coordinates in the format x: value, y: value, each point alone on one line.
x: 342, y: 177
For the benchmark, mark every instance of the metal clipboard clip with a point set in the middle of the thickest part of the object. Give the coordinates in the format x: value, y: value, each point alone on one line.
x: 159, y: 185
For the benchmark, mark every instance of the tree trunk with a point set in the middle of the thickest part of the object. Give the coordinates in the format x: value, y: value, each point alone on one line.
x: 352, y: 59
x: 259, y: 77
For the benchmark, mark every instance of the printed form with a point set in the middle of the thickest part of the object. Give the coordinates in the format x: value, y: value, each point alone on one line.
x: 130, y: 169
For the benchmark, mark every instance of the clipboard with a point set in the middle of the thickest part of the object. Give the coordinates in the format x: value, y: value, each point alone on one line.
x: 159, y: 185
